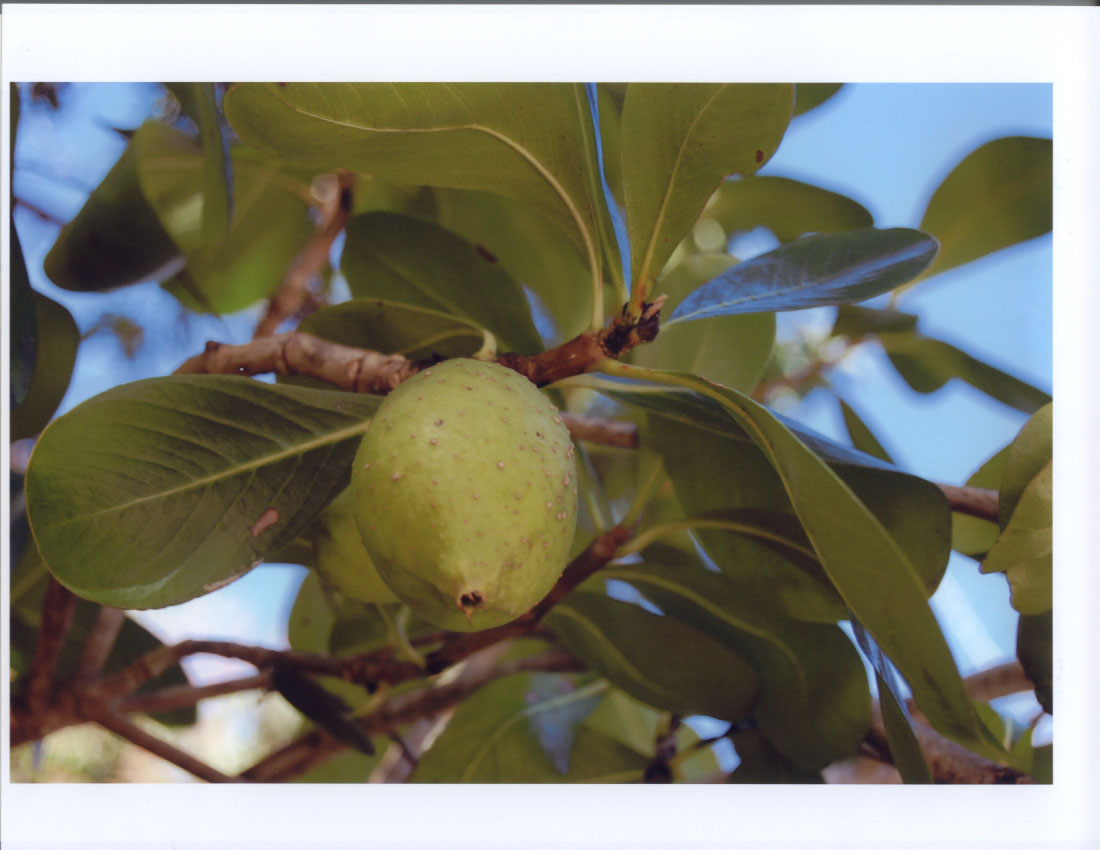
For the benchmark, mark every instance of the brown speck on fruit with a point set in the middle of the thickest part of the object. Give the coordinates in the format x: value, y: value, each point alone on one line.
x: 396, y: 476
x: 477, y: 495
x: 500, y: 464
x: 434, y: 441
x: 439, y: 422
x: 760, y: 156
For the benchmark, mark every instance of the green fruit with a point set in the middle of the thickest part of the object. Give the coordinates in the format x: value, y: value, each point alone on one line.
x: 465, y: 494
x: 341, y: 560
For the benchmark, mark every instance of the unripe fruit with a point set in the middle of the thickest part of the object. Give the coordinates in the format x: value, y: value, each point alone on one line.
x: 465, y: 494
x: 341, y: 560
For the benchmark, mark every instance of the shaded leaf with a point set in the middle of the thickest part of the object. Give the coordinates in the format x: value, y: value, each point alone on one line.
x: 344, y: 767
x: 970, y: 535
x: 861, y: 559
x: 807, y: 96
x: 158, y: 491
x: 530, y: 247
x: 116, y: 238
x: 22, y: 345
x: 312, y: 617
x: 831, y: 268
x: 761, y: 763
x: 861, y: 436
x: 57, y: 341
x: 321, y: 706
x: 505, y: 138
x: 905, y: 750
x: 855, y: 322
x: 731, y: 350
x: 644, y: 654
x: 403, y: 259
x: 199, y: 102
x: 679, y: 142
x: 561, y: 711
x: 1024, y: 551
x: 788, y: 208
x: 492, y: 738
x: 1035, y: 650
x: 1000, y: 194
x: 927, y: 364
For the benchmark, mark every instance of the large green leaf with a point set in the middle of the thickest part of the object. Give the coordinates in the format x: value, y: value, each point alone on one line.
x: 495, y: 736
x: 1025, y: 549
x: 418, y: 333
x: 788, y: 208
x: 57, y: 340
x: 158, y: 491
x: 1000, y: 194
x: 679, y: 142
x: 514, y: 139
x: 535, y: 251
x: 869, y: 568
x: 731, y: 350
x: 814, y: 704
x: 656, y: 659
x: 825, y: 269
x: 1030, y: 451
x: 116, y: 238
x: 403, y: 259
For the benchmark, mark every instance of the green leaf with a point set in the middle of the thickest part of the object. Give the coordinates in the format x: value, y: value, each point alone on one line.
x: 1000, y: 194
x: 927, y: 364
x: 347, y: 766
x: 876, y: 578
x: 1030, y: 451
x: 1024, y: 551
x: 562, y: 710
x: 829, y: 268
x: 22, y: 346
x: 505, y: 138
x: 493, y: 737
x: 679, y: 142
x: 808, y: 96
x: 731, y: 350
x: 403, y: 259
x: 57, y: 340
x: 905, y: 750
x: 1035, y: 650
x: 311, y: 617
x: 814, y: 704
x: 856, y: 322
x: 269, y: 227
x: 762, y: 764
x: 418, y: 333
x: 199, y: 101
x: 529, y: 246
x: 116, y: 238
x: 862, y: 437
x: 970, y: 535
x: 788, y: 208
x: 158, y: 491
x: 656, y: 659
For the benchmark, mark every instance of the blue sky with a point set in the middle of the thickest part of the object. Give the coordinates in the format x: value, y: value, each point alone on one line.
x: 886, y: 146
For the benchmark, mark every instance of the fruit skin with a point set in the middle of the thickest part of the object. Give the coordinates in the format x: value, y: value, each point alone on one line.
x: 341, y: 560
x: 465, y: 494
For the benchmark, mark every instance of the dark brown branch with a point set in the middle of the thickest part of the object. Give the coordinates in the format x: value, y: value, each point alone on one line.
x: 57, y: 615
x: 972, y: 501
x: 605, y: 432
x: 97, y: 647
x: 125, y: 728
x: 186, y: 696
x: 294, y: 291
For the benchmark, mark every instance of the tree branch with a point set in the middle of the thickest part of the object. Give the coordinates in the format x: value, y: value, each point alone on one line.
x: 294, y: 291
x: 972, y: 501
x: 57, y: 615
x: 186, y: 696
x: 97, y: 647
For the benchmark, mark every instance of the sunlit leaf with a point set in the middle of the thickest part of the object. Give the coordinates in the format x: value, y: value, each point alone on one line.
x: 1030, y: 451
x: 311, y: 617
x: 505, y: 138
x: 403, y: 259
x: 158, y: 491
x: 679, y: 142
x: 1025, y: 549
x: 788, y: 208
x: 971, y: 535
x: 199, y: 102
x: 833, y: 268
x: 1000, y: 194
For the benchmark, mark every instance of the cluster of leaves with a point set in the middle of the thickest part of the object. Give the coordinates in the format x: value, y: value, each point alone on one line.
x: 481, y: 217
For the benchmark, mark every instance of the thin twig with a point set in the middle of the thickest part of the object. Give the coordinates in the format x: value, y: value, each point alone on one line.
x: 57, y: 614
x: 186, y: 696
x: 972, y: 501
x: 100, y: 641
x: 125, y: 728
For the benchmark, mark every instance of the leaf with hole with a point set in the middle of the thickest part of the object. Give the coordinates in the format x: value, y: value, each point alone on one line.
x: 156, y: 492
x: 820, y: 270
